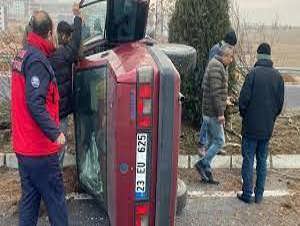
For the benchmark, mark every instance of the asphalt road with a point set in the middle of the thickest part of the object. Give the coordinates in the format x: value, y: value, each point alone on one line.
x: 81, y: 213
x: 292, y: 96
x: 230, y: 211
x: 207, y: 205
x: 199, y: 211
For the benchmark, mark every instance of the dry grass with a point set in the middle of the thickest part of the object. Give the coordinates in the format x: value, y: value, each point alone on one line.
x: 285, y: 138
x: 286, y: 49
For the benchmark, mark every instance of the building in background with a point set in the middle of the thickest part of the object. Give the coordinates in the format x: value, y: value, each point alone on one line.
x: 16, y: 13
x: 3, y: 18
x: 17, y: 10
x: 57, y: 9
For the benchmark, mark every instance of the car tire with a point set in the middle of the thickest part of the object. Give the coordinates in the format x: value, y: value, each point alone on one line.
x: 181, y: 196
x: 183, y: 57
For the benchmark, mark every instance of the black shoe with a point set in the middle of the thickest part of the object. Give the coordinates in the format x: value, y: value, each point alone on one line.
x: 211, y: 179
x: 222, y: 152
x: 244, y: 199
x: 199, y: 167
x: 258, y: 199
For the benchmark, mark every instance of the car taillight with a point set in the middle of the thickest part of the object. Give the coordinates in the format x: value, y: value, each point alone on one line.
x: 144, y: 97
x: 142, y: 215
x: 144, y: 117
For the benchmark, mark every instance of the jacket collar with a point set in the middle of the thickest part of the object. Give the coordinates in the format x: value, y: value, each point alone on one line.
x: 45, y: 46
x: 264, y: 63
x: 219, y: 58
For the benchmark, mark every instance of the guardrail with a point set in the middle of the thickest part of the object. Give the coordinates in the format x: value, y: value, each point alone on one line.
x: 289, y: 70
x: 282, y: 70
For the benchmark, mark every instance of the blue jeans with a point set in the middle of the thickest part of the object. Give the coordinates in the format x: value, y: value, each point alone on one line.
x: 215, y: 140
x: 250, y: 148
x: 203, y: 134
x: 41, y: 178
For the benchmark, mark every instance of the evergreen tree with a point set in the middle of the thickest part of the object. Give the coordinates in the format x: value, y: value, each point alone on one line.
x: 201, y: 24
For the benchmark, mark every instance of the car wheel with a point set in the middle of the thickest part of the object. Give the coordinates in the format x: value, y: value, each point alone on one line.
x: 181, y: 196
x: 183, y: 57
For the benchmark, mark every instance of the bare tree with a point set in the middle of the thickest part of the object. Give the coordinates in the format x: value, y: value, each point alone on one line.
x: 249, y: 37
x: 159, y: 15
x: 10, y: 43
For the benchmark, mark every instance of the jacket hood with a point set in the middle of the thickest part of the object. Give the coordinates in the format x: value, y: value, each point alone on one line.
x: 264, y: 63
x: 38, y: 42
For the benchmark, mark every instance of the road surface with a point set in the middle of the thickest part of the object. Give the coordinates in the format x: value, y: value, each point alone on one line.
x: 207, y: 205
x: 292, y: 96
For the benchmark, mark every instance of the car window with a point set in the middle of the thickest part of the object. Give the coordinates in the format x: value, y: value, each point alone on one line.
x: 94, y: 17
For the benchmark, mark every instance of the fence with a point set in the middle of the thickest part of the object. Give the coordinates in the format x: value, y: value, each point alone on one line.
x: 4, y: 87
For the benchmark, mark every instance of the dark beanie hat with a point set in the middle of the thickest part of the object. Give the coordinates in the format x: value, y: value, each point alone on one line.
x: 65, y: 28
x: 264, y: 48
x: 231, y: 38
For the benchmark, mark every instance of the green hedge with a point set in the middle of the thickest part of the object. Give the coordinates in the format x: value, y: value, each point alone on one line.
x: 201, y: 24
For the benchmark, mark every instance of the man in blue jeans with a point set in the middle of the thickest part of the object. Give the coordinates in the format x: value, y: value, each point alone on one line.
x: 261, y: 101
x: 215, y: 93
x: 229, y: 39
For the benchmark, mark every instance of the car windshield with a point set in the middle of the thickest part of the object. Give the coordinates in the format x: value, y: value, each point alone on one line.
x: 94, y: 17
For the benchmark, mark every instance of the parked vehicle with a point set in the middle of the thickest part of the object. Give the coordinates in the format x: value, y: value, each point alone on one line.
x: 127, y: 117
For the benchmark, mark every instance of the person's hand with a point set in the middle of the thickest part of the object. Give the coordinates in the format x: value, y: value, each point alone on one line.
x: 229, y: 101
x: 221, y: 120
x: 76, y: 9
x: 61, y: 140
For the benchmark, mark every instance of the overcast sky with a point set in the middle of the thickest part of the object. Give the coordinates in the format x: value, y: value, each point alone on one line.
x: 265, y: 11
x: 288, y: 11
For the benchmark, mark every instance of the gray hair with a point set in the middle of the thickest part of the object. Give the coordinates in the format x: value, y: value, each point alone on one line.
x: 225, y: 50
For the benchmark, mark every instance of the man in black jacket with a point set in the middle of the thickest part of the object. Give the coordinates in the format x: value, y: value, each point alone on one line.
x: 69, y: 38
x: 261, y: 101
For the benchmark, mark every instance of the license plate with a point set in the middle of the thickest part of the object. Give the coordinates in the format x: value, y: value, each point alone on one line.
x: 141, y: 166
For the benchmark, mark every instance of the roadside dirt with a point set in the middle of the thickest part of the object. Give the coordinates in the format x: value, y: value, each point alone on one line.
x: 285, y: 138
x: 10, y: 190
x: 230, y: 180
x: 291, y: 79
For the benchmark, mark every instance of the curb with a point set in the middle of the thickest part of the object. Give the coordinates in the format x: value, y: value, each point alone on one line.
x: 286, y: 161
x: 9, y: 160
x: 2, y: 157
x: 235, y: 161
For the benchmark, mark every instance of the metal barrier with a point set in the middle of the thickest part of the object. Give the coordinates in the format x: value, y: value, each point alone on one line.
x: 289, y: 70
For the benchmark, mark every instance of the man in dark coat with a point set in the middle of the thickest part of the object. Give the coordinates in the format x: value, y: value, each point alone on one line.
x: 261, y: 101
x: 62, y: 60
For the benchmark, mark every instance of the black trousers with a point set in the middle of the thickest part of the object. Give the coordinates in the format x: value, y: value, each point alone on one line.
x: 41, y: 178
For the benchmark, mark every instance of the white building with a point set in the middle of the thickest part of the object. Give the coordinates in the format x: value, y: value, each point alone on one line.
x: 2, y: 18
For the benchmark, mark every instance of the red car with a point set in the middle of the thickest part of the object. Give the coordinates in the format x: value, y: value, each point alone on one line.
x: 127, y: 116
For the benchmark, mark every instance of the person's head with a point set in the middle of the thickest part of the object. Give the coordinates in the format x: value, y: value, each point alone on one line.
x: 64, y: 33
x: 226, y: 54
x: 264, y: 51
x: 42, y: 24
x: 230, y: 38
